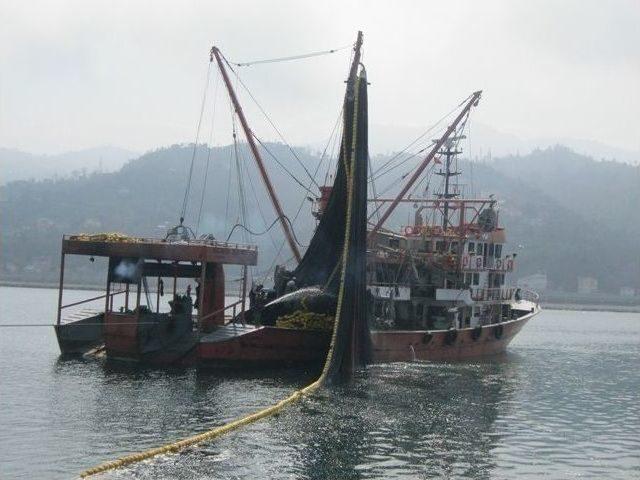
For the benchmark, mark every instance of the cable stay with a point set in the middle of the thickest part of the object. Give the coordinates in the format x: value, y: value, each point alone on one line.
x: 187, y: 190
x: 272, y: 123
x: 215, y: 54
x: 471, y: 102
x: 421, y: 136
x: 206, y: 170
x: 292, y: 57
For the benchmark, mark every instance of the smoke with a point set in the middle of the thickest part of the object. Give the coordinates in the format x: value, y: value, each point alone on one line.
x: 126, y: 270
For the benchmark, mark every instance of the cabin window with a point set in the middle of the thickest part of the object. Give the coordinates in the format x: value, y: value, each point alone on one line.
x: 440, y: 246
x: 472, y: 247
x: 491, y: 249
x: 468, y: 278
x: 454, y: 247
x: 498, y: 250
x: 476, y: 279
x: 484, y: 253
x: 394, y: 242
x: 479, y: 248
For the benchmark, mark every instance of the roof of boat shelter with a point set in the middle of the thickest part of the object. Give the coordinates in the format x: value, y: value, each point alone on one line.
x: 192, y: 251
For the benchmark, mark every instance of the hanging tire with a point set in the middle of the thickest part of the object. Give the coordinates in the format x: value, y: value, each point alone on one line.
x: 498, y: 331
x: 476, y: 333
x: 451, y: 336
x: 426, y: 338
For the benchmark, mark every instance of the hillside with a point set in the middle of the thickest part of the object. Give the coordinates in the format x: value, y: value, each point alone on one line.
x: 18, y: 165
x: 566, y: 214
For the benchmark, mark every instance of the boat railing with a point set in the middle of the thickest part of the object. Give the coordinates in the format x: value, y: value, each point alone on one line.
x: 92, y: 299
x: 233, y: 307
x: 198, y: 241
x: 529, y: 295
x: 497, y: 294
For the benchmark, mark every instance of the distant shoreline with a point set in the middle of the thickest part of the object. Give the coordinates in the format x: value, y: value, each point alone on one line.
x: 592, y: 307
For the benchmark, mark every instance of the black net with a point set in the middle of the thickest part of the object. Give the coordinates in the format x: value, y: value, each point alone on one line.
x: 322, y: 283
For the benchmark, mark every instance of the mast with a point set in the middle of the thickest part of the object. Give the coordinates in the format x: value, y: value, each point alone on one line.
x: 353, y: 72
x: 448, y: 153
x: 473, y: 101
x: 215, y: 53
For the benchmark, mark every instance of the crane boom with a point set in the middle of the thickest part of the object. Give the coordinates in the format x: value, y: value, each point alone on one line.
x: 472, y: 102
x: 215, y: 53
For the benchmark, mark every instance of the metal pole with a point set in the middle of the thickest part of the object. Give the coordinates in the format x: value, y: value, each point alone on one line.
x: 473, y: 101
x: 109, y: 299
x: 203, y: 276
x: 137, y: 307
x: 61, y: 286
x: 244, y: 291
x: 256, y: 154
x: 158, y: 295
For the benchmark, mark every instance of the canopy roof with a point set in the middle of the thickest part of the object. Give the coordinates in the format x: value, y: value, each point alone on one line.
x: 193, y: 251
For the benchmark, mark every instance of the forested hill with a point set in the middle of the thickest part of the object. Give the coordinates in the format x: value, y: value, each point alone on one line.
x: 566, y: 214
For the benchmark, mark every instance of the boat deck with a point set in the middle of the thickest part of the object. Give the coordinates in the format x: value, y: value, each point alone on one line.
x: 227, y: 332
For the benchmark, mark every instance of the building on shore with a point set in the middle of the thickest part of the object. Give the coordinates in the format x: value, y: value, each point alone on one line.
x: 627, y: 292
x: 587, y: 285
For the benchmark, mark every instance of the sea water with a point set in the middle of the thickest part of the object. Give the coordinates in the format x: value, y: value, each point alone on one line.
x: 564, y: 402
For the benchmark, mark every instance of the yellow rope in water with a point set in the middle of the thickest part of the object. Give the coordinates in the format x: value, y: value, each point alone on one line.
x: 298, y: 394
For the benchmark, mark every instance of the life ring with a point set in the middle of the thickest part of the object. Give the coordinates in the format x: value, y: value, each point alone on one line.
x: 426, y: 338
x: 408, y: 230
x: 476, y: 333
x: 498, y: 331
x: 450, y: 336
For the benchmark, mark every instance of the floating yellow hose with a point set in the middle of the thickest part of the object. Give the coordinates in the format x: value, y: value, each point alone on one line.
x: 295, y: 396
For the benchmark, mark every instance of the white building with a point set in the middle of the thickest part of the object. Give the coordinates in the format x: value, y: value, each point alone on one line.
x: 587, y: 285
x: 627, y: 292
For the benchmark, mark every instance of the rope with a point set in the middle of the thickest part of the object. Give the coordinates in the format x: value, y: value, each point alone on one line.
x: 294, y: 178
x: 292, y: 57
x: 187, y: 190
x: 250, y: 231
x: 295, y: 396
x: 271, y: 122
x: 206, y: 170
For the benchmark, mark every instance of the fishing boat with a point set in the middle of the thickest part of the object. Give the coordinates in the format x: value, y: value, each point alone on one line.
x: 436, y: 289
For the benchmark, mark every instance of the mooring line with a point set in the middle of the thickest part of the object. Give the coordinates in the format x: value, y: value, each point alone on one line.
x: 295, y: 396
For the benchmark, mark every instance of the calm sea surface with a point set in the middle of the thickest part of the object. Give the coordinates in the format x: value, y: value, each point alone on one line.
x: 563, y: 403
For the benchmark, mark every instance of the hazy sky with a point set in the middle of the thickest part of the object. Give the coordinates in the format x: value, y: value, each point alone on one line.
x: 80, y: 74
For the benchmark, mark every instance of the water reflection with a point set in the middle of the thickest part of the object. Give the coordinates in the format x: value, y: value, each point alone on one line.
x: 405, y: 420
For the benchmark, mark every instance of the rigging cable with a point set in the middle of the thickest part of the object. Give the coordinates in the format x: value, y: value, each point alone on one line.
x: 292, y: 57
x: 206, y: 170
x: 282, y: 166
x: 420, y: 137
x: 258, y: 205
x: 284, y: 140
x: 195, y: 148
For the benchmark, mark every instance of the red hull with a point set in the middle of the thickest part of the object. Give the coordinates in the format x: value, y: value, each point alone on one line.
x: 270, y: 346
x: 262, y: 346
